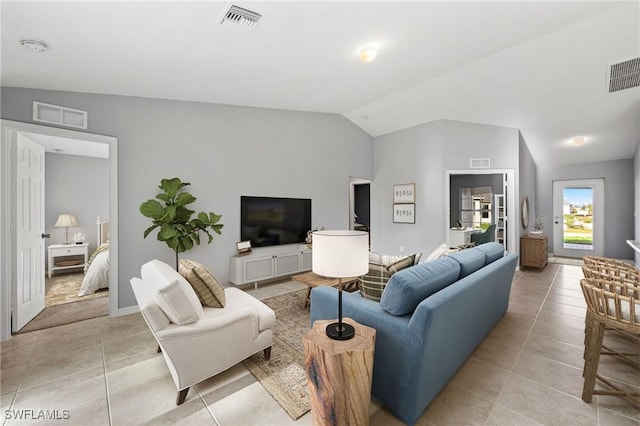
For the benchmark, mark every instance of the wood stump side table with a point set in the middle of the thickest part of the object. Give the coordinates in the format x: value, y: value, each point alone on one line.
x: 339, y: 374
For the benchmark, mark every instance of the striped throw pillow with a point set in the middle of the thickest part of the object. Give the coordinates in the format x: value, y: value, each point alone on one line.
x: 207, y: 287
x: 373, y: 283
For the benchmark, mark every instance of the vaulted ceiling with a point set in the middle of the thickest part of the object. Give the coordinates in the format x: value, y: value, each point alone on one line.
x: 540, y: 67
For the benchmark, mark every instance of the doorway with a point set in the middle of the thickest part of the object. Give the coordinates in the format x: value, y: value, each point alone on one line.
x: 476, y: 199
x: 360, y: 205
x: 578, y: 218
x: 8, y: 255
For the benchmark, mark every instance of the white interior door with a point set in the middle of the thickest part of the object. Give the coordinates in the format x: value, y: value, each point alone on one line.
x: 578, y: 218
x: 30, y: 290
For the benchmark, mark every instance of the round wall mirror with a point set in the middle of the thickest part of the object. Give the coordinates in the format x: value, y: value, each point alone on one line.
x: 524, y: 212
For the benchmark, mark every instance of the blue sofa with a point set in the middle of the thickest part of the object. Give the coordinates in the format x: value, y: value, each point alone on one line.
x: 428, y: 322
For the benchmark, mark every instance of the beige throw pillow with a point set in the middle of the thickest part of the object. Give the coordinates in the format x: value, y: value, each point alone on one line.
x: 207, y: 287
x: 373, y: 283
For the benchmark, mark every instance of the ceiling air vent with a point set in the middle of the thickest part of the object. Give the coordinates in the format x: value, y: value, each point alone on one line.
x: 624, y: 75
x: 479, y: 163
x: 63, y: 116
x: 239, y: 17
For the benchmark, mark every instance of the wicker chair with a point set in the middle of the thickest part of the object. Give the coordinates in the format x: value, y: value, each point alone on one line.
x: 610, y: 267
x: 612, y: 303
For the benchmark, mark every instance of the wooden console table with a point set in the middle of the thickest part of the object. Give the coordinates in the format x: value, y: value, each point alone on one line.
x: 534, y: 251
x: 339, y: 374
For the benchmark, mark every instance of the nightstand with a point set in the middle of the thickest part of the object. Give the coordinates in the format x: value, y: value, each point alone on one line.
x: 67, y: 256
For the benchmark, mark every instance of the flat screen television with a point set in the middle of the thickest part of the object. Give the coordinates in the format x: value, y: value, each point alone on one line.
x: 269, y: 221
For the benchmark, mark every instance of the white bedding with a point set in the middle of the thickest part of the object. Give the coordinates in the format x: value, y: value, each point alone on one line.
x: 97, y: 274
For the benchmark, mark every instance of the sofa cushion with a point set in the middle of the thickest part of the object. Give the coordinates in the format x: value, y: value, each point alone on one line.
x: 372, y: 284
x: 492, y: 251
x: 409, y: 287
x: 470, y: 260
x: 175, y: 304
x: 207, y: 287
x: 158, y: 274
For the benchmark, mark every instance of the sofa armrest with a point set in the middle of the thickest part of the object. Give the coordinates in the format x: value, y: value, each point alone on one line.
x: 206, y: 326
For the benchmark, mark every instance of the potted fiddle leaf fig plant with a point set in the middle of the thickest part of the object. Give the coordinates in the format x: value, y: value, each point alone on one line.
x: 174, y: 219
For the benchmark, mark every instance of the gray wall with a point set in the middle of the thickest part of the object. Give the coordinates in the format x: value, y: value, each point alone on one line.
x: 225, y: 152
x: 77, y: 185
x: 618, y: 200
x: 527, y: 186
x: 423, y: 154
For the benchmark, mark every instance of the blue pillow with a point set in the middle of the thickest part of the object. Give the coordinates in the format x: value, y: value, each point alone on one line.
x: 470, y: 260
x: 492, y: 252
x: 407, y: 288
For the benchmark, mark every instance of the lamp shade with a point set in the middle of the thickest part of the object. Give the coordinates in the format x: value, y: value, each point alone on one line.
x: 66, y: 219
x: 340, y: 254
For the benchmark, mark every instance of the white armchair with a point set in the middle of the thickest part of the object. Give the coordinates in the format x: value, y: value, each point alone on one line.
x: 198, y: 342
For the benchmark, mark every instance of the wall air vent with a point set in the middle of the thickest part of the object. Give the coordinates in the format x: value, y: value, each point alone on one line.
x: 239, y: 17
x: 62, y: 116
x: 624, y: 75
x: 479, y: 163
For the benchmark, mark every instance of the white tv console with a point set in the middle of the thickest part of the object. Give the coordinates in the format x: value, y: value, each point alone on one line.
x: 266, y: 263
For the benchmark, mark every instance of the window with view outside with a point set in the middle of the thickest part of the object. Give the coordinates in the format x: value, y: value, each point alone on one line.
x: 577, y: 211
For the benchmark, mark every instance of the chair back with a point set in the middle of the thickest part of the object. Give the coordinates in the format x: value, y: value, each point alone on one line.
x: 616, y: 302
x: 487, y: 236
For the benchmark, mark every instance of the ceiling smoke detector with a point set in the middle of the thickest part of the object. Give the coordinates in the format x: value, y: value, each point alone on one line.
x: 239, y: 17
x: 35, y: 46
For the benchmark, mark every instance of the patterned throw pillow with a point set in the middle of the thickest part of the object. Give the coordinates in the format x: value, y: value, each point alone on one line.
x: 207, y: 287
x: 373, y: 283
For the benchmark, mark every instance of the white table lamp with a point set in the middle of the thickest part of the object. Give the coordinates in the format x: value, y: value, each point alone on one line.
x: 66, y: 220
x: 340, y: 254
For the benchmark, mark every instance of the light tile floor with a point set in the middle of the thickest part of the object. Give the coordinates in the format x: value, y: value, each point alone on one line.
x: 527, y: 371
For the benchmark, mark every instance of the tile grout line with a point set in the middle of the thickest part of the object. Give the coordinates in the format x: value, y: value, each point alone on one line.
x: 106, y: 381
x: 213, y: 417
x: 523, y: 344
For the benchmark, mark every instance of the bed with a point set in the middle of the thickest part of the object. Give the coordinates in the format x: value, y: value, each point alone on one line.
x: 96, y: 271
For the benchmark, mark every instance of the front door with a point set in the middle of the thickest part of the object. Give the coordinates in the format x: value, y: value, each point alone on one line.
x: 578, y: 218
x: 30, y: 291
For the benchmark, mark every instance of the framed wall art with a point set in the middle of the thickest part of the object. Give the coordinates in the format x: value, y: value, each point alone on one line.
x: 404, y: 193
x: 404, y: 213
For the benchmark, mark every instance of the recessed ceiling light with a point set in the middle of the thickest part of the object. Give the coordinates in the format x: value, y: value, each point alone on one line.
x: 577, y: 141
x: 35, y: 46
x: 368, y: 54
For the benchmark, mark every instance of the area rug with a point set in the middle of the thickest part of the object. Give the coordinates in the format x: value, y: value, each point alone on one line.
x: 67, y: 313
x: 64, y: 288
x: 283, y: 376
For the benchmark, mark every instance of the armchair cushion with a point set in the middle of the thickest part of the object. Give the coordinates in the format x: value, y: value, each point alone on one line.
x: 207, y: 287
x: 175, y: 304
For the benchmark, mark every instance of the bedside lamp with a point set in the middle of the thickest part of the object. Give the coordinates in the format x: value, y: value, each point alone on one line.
x: 340, y: 254
x: 65, y: 220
